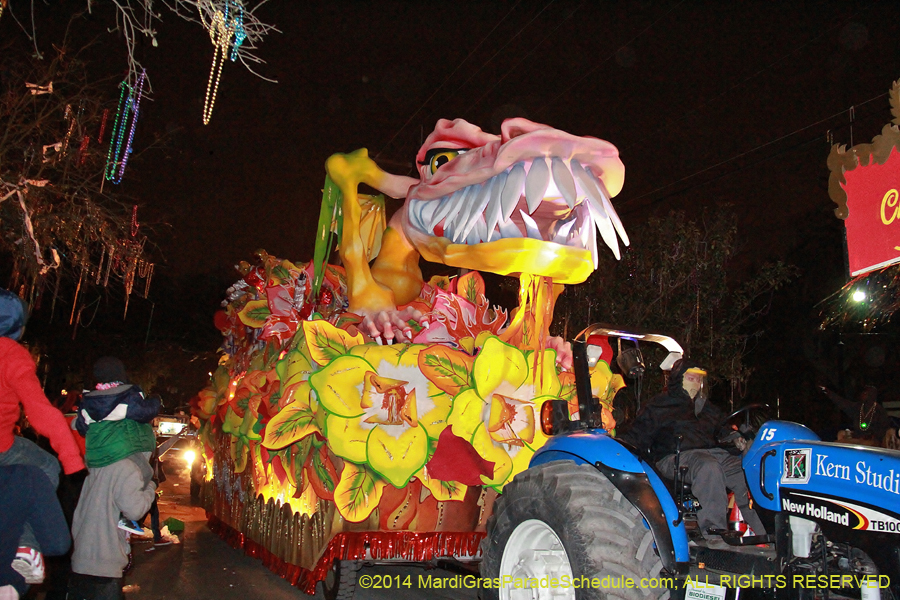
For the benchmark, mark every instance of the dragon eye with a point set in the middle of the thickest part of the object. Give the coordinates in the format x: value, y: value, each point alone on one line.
x: 437, y: 157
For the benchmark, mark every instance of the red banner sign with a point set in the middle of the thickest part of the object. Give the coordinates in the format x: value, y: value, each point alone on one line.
x: 873, y: 222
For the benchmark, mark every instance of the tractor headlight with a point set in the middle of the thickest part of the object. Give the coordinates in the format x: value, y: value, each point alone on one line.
x: 189, y: 457
x: 554, y: 417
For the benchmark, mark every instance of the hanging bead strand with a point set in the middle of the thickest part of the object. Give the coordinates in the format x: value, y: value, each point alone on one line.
x: 220, y: 33
x: 69, y: 117
x: 129, y: 106
x: 135, y: 107
x: 115, y: 141
x: 240, y: 34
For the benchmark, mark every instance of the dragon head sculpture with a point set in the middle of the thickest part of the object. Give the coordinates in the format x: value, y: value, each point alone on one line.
x: 529, y: 201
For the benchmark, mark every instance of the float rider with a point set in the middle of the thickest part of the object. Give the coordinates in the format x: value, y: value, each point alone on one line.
x: 683, y: 411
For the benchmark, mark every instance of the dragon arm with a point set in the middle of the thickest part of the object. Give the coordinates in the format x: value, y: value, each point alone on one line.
x: 397, y: 265
x: 395, y: 278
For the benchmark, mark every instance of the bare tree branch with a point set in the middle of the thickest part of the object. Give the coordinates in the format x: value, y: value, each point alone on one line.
x: 54, y: 220
x: 136, y: 18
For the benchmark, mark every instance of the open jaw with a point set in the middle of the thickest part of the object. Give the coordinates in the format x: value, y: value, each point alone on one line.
x: 538, y: 216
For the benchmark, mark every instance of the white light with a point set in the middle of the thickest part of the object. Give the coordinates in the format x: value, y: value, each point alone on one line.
x: 859, y: 296
x: 189, y: 456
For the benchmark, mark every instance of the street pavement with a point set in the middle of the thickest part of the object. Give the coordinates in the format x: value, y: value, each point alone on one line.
x: 204, y: 567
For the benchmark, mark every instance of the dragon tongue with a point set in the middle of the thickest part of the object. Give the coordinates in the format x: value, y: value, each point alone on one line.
x: 560, y: 229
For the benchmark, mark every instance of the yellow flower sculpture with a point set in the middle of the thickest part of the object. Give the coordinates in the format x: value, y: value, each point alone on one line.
x: 500, y: 414
x: 381, y: 409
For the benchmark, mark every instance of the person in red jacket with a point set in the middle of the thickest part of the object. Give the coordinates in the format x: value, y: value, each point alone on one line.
x: 19, y: 385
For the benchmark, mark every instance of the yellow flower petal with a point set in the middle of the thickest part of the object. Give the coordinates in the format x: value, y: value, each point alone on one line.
x: 499, y: 362
x: 495, y: 453
x: 397, y: 459
x: 339, y: 385
x: 467, y: 413
x: 346, y: 438
x: 434, y: 421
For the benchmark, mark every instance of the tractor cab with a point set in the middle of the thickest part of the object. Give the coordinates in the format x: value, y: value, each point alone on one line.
x: 591, y: 508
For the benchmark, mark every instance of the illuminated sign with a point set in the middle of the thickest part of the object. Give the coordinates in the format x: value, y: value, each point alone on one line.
x: 873, y: 219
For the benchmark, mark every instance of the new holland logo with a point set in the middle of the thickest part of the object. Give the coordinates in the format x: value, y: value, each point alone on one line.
x: 796, y: 465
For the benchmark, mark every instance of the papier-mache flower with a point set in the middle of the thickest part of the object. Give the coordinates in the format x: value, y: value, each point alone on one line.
x: 500, y: 413
x: 381, y: 408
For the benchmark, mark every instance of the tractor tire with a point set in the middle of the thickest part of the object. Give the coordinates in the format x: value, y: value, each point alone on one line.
x: 340, y: 581
x: 562, y: 519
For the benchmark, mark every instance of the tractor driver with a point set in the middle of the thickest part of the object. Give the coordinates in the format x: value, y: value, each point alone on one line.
x: 682, y: 410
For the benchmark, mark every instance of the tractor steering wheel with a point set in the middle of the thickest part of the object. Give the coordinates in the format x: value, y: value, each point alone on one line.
x: 746, y: 410
x: 748, y: 424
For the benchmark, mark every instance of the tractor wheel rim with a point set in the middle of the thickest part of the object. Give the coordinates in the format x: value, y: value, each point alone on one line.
x: 533, y: 557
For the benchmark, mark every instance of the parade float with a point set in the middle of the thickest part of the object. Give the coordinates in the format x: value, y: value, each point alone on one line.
x: 361, y: 413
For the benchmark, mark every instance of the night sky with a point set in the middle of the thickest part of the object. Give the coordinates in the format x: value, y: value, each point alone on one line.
x: 707, y: 102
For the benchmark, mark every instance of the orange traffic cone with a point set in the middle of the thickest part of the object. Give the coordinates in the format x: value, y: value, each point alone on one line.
x: 735, y: 520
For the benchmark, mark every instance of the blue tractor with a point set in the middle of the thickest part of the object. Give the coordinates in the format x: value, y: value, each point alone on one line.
x: 591, y: 518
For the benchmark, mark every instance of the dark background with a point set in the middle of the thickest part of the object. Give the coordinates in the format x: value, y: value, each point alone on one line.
x: 708, y: 102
